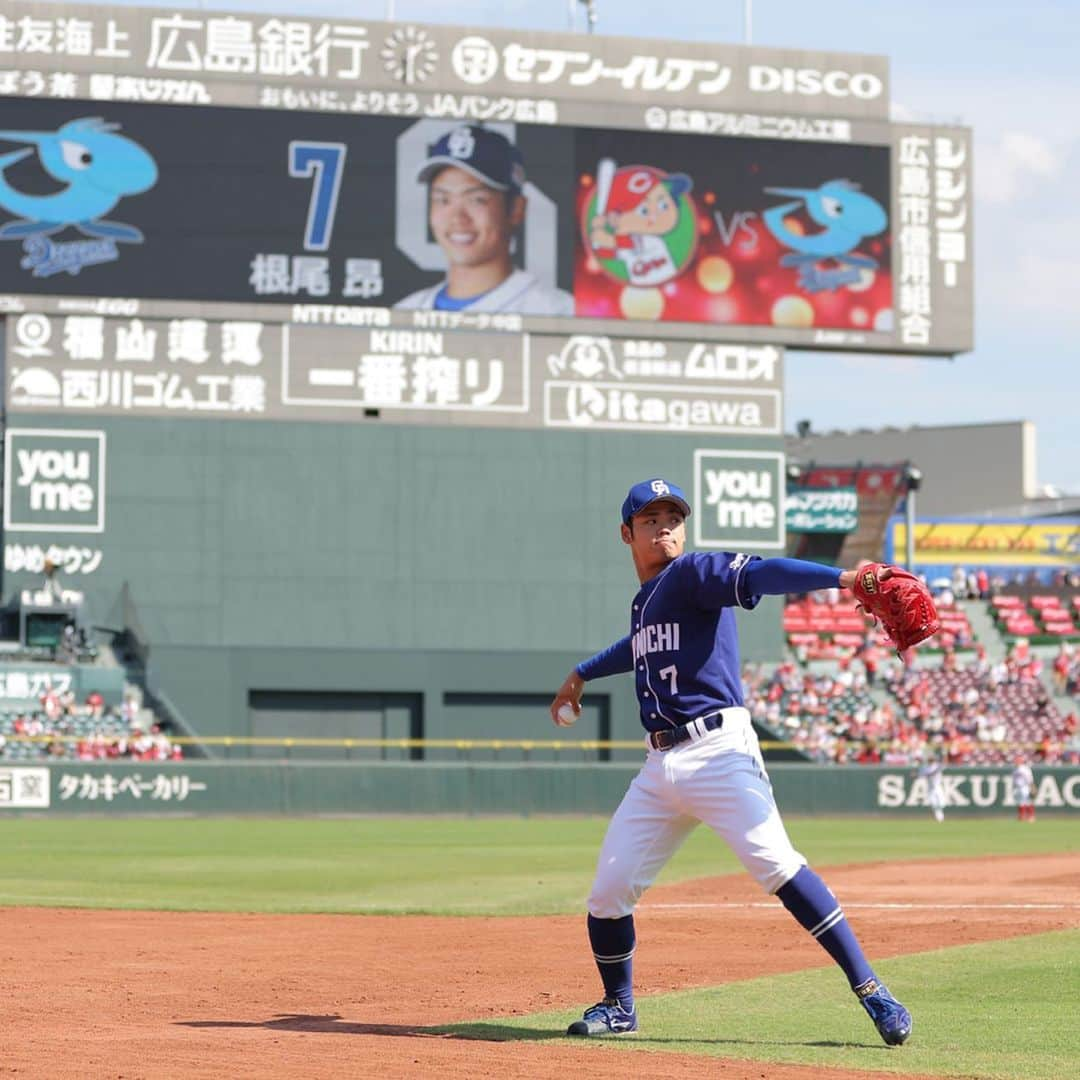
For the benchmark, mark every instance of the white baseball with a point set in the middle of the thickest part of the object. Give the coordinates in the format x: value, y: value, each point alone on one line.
x: 567, y: 716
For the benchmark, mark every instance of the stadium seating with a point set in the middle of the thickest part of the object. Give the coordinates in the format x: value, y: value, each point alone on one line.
x: 976, y: 711
x: 1046, y: 616
x: 836, y: 629
x: 80, y: 734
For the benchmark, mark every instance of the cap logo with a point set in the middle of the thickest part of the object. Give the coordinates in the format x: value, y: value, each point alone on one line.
x: 461, y: 143
x: 660, y: 488
x: 639, y: 181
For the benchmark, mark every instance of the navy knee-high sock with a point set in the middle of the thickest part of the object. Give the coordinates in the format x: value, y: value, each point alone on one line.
x: 613, y: 942
x: 812, y: 903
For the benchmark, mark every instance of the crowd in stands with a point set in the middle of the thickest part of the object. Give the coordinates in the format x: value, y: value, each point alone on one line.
x: 830, y: 717
x: 968, y: 713
x: 972, y: 707
x: 60, y: 728
x: 870, y: 706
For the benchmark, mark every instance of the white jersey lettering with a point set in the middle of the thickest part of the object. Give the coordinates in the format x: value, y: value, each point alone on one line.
x: 655, y: 637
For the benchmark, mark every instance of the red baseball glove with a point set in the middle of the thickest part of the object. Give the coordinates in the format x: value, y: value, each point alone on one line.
x: 899, y: 600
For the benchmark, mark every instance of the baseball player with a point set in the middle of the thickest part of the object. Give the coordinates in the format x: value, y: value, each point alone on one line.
x: 933, y: 772
x: 641, y: 210
x: 475, y: 180
x: 1023, y: 785
x: 704, y: 763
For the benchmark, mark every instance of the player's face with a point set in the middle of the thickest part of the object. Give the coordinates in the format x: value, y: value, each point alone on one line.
x: 471, y: 222
x: 658, y: 535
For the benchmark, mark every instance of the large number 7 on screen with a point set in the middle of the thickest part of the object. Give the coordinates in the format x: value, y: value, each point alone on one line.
x: 325, y: 162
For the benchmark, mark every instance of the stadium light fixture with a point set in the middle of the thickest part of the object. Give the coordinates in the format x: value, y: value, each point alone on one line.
x: 590, y: 13
x: 913, y: 478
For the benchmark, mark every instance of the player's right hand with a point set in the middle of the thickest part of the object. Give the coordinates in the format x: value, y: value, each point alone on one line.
x: 567, y: 694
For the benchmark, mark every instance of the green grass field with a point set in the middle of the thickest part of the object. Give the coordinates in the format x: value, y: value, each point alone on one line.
x: 999, y: 1011
x: 440, y: 866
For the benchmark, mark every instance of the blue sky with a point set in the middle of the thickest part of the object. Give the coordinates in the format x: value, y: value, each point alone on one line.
x: 1007, y: 70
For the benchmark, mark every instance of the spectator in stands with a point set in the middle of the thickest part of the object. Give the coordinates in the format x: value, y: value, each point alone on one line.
x: 50, y: 702
x: 982, y: 584
x: 1070, y: 749
x: 959, y: 582
x: 1062, y: 663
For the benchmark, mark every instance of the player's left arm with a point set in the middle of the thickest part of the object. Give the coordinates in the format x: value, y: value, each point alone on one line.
x: 775, y: 577
x: 726, y: 579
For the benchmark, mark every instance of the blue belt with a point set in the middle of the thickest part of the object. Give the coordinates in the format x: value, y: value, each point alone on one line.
x: 665, y: 740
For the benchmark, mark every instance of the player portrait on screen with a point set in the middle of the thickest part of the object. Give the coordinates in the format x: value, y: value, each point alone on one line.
x: 476, y: 202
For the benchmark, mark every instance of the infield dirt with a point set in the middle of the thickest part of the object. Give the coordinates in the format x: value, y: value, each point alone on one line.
x: 128, y: 994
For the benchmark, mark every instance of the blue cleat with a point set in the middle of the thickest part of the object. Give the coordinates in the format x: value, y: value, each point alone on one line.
x: 891, y: 1019
x: 605, y: 1018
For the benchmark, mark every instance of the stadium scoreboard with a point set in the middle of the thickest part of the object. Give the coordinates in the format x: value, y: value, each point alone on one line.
x: 219, y: 216
x: 263, y: 169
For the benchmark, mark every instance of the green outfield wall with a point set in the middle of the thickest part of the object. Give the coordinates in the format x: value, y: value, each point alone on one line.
x: 293, y: 788
x: 358, y: 579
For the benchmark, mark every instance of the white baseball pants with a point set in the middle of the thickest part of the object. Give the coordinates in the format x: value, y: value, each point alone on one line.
x: 719, y: 780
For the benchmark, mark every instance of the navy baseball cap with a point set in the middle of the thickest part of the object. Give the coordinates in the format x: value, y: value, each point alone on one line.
x: 489, y: 156
x: 650, y: 491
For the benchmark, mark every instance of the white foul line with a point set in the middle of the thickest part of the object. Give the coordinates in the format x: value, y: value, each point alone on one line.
x: 882, y: 907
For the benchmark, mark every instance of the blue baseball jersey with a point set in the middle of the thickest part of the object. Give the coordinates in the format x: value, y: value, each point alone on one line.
x: 684, y: 641
x: 683, y: 646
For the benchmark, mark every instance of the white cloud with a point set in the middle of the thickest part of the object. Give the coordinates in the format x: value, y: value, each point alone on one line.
x: 1031, y: 151
x: 1046, y: 283
x: 1010, y: 165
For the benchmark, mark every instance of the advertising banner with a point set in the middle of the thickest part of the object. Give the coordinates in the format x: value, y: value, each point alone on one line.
x: 834, y: 510
x: 198, y: 56
x: 54, y: 481
x: 89, y: 365
x: 24, y: 788
x: 1042, y: 544
x: 738, y: 497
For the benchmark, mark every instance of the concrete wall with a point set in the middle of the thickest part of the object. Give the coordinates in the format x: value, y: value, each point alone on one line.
x: 368, y: 557
x: 966, y: 468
